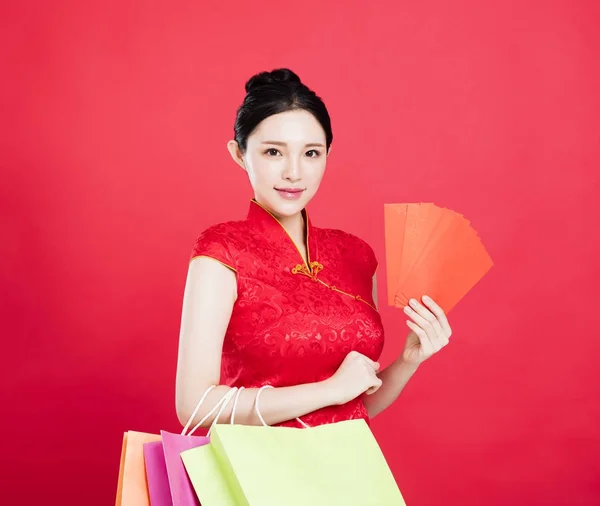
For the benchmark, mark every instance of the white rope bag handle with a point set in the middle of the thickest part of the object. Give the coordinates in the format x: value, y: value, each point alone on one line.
x: 220, y: 406
x: 257, y: 409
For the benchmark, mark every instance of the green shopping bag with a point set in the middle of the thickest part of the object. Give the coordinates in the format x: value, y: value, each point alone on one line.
x: 208, y: 480
x: 329, y: 465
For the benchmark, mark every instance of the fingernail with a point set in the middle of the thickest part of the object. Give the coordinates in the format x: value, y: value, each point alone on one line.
x: 406, y: 309
x: 427, y: 298
x: 413, y: 302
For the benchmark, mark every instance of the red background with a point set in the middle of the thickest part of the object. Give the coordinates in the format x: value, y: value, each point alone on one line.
x: 113, y: 160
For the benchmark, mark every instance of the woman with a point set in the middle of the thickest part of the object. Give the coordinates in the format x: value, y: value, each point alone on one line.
x: 273, y: 300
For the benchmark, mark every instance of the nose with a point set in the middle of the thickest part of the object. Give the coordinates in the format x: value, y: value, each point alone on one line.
x: 292, y: 171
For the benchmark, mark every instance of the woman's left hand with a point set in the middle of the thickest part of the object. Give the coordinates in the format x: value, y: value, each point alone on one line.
x: 429, y: 331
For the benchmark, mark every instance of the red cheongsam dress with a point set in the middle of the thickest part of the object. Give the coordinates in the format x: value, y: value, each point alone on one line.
x: 293, y: 322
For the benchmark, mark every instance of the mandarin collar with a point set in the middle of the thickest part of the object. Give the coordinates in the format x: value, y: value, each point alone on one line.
x: 259, y: 216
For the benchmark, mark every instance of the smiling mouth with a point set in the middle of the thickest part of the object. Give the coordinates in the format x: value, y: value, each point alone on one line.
x: 290, y: 190
x: 290, y: 193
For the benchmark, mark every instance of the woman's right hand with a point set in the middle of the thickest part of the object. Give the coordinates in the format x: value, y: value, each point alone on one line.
x: 356, y: 375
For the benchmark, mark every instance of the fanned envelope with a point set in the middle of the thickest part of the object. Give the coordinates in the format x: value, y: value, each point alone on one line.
x: 432, y: 251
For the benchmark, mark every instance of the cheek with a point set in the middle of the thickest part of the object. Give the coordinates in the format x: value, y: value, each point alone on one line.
x: 316, y: 172
x: 259, y: 170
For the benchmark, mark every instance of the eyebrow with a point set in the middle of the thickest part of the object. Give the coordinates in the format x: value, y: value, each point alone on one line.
x: 309, y: 145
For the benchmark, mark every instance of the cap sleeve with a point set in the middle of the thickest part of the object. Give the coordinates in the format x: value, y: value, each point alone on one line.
x: 213, y: 243
x: 367, y: 256
x: 372, y: 259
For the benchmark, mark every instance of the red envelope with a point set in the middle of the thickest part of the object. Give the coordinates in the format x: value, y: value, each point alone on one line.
x: 431, y: 251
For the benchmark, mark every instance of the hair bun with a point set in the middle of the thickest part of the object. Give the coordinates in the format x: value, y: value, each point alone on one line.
x: 277, y: 76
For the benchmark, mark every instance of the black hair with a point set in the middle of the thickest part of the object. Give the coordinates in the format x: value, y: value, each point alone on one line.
x: 269, y: 93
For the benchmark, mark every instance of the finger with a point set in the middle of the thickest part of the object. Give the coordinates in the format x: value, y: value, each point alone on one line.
x: 429, y: 324
x: 371, y: 363
x: 374, y: 365
x: 439, y: 313
x: 436, y: 336
x: 375, y: 387
x: 426, y: 344
x: 422, y: 311
x: 439, y: 334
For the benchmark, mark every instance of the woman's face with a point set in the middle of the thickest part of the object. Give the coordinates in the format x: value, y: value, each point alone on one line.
x: 285, y: 159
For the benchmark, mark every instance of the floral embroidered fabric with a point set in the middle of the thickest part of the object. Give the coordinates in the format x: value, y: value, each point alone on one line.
x: 294, y: 321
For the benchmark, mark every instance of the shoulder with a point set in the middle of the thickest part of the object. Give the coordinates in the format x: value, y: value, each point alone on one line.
x: 349, y: 246
x: 221, y: 242
x: 225, y: 232
x: 334, y: 234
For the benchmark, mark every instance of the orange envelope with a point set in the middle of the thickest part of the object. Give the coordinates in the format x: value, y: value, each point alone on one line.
x: 431, y: 251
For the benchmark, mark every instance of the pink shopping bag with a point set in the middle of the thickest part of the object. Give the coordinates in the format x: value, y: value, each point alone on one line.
x: 182, y: 491
x: 156, y: 475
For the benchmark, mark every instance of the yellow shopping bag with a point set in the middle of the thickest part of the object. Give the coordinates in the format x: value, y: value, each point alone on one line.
x: 329, y: 465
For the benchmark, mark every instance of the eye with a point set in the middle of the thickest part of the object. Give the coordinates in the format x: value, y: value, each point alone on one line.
x: 313, y: 153
x: 272, y: 152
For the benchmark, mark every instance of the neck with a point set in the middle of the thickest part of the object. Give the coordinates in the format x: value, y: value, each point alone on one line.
x: 294, y: 225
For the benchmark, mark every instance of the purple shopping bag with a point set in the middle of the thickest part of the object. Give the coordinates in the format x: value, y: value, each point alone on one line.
x: 182, y: 491
x: 156, y: 475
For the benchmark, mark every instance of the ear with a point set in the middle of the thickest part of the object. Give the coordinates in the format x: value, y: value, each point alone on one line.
x: 329, y: 150
x: 236, y: 153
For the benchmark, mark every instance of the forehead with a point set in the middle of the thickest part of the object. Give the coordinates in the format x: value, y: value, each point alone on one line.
x: 290, y: 126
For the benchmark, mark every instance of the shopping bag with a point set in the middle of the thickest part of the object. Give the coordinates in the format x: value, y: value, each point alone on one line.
x: 431, y: 251
x: 207, y: 478
x: 329, y: 465
x: 132, y: 486
x: 181, y: 490
x: 144, y: 478
x: 156, y: 474
x: 168, y: 482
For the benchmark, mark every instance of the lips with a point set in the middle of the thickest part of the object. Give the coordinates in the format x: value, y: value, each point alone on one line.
x: 290, y: 193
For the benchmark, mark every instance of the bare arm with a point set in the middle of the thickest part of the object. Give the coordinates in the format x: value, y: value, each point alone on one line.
x: 394, y: 378
x: 209, y: 296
